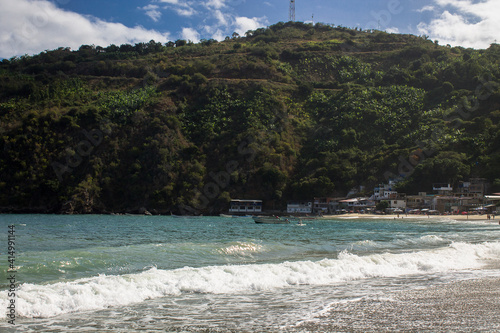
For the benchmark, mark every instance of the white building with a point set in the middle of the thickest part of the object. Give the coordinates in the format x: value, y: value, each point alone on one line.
x: 245, y: 206
x: 357, y: 204
x: 492, y: 202
x: 387, y: 192
x: 299, y: 207
x: 442, y: 189
x: 384, y: 191
x: 398, y: 203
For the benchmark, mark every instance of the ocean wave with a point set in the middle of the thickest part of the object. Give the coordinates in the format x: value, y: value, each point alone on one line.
x: 364, y: 245
x: 431, y: 239
x: 425, y: 241
x: 106, y: 291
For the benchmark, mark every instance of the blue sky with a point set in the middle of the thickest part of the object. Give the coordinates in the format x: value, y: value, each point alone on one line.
x: 32, y: 26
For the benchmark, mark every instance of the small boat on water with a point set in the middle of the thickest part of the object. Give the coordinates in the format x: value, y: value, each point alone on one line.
x: 270, y: 220
x: 234, y: 216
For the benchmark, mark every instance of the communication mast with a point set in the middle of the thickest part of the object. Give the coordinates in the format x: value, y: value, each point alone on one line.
x: 292, y: 11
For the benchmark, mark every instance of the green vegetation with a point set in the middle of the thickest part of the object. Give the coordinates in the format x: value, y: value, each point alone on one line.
x: 288, y: 112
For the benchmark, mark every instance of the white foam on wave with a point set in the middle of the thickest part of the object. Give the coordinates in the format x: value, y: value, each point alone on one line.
x: 426, y: 240
x: 364, y: 245
x: 108, y: 291
x: 431, y: 239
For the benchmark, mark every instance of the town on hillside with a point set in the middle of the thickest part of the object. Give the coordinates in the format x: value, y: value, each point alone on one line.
x: 468, y: 198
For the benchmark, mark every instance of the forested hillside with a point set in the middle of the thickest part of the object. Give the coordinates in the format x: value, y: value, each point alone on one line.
x: 288, y: 112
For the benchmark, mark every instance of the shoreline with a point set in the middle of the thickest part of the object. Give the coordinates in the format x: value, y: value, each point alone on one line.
x: 348, y: 216
x: 483, y: 217
x: 470, y: 305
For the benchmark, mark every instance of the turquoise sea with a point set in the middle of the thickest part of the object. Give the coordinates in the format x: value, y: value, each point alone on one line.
x: 100, y: 273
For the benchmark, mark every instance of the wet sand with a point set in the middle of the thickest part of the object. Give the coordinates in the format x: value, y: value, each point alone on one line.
x: 467, y: 306
x: 411, y: 216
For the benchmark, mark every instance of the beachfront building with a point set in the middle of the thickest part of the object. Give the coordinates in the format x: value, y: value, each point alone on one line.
x: 492, y: 203
x: 299, y: 207
x: 357, y: 204
x: 398, y: 201
x: 471, y: 194
x: 467, y: 196
x: 387, y: 192
x: 442, y: 188
x: 418, y: 202
x: 475, y: 187
x: 383, y: 191
x: 325, y: 205
x: 445, y: 204
x: 245, y: 206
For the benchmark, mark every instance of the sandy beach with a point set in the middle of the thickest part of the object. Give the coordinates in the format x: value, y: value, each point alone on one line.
x: 467, y: 306
x: 483, y: 217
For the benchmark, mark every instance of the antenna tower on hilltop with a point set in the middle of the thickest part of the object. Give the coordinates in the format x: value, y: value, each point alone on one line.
x: 292, y: 11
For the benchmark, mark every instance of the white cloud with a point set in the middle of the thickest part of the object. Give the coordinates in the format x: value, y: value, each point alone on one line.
x: 218, y: 35
x: 214, y: 32
x: 243, y: 24
x: 29, y: 27
x: 152, y: 11
x: 464, y: 23
x: 185, y: 8
x: 221, y: 18
x: 217, y: 4
x: 190, y: 34
x: 187, y: 11
x: 217, y: 18
x: 426, y: 9
x: 392, y: 30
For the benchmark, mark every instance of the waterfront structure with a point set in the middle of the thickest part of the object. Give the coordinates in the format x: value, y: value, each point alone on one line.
x: 299, y: 207
x: 325, y: 205
x: 245, y: 206
x: 420, y: 201
x: 397, y: 201
x: 357, y: 204
x: 442, y: 188
x: 446, y: 204
x: 384, y: 191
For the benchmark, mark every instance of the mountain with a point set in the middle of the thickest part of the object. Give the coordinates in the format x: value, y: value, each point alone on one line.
x: 293, y: 111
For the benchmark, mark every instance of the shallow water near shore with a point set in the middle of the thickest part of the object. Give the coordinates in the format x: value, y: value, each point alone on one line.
x: 127, y: 273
